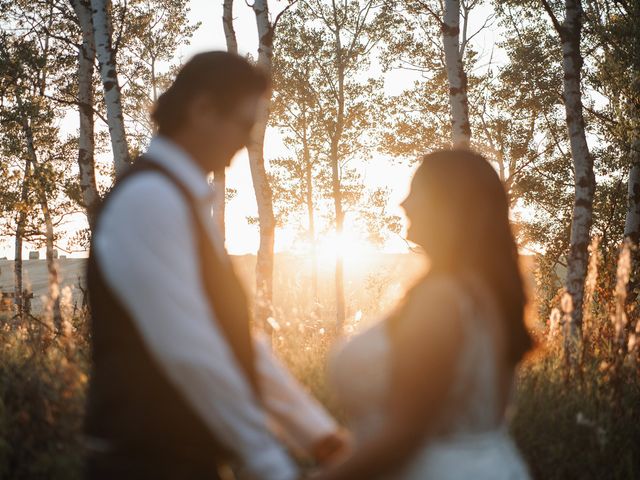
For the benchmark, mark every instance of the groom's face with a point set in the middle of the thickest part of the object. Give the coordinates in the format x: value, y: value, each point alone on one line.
x: 224, y: 134
x: 218, y: 136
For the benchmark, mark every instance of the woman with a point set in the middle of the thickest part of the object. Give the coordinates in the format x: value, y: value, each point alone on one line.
x: 427, y: 388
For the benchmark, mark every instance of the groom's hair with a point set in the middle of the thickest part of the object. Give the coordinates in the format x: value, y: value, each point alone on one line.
x: 225, y: 77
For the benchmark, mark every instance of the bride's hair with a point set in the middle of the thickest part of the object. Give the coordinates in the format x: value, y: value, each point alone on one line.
x: 464, y: 191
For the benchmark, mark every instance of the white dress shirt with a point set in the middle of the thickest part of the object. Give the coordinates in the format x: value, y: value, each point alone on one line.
x: 148, y: 255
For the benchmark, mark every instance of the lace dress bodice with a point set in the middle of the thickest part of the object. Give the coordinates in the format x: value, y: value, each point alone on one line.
x: 360, y: 374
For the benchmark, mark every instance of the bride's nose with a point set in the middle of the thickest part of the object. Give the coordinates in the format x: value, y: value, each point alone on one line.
x: 405, y: 203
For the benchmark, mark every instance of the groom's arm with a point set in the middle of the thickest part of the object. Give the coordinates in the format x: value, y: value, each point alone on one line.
x: 299, y: 417
x: 147, y: 253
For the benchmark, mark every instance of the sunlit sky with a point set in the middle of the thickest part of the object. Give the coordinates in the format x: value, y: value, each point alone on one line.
x: 241, y: 237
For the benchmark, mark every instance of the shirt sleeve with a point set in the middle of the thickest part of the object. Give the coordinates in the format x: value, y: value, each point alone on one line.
x: 298, y: 417
x: 147, y: 253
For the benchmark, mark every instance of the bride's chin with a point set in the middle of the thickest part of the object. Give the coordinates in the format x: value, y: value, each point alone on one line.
x: 412, y: 237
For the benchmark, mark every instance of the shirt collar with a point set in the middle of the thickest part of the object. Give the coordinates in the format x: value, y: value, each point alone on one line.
x: 175, y: 159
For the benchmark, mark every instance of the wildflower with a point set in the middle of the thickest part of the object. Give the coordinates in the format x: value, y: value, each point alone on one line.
x: 566, y: 303
x: 273, y: 324
x: 581, y: 419
x: 554, y: 322
x: 66, y: 302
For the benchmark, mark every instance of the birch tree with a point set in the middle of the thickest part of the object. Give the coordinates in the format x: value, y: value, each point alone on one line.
x: 227, y: 25
x: 152, y: 31
x: 106, y: 54
x: 453, y: 53
x: 28, y: 66
x: 455, y: 40
x: 517, y: 117
x: 21, y: 204
x: 614, y: 30
x: 632, y: 223
x: 219, y: 177
x: 41, y: 192
x: 434, y: 39
x: 86, y: 142
x: 19, y: 232
x: 264, y: 197
x: 632, y: 226
x: 621, y: 66
x: 295, y: 112
x: 350, y: 32
x: 569, y: 32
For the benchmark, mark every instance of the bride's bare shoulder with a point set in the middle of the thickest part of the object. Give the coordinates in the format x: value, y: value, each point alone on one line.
x: 445, y: 289
x: 432, y: 304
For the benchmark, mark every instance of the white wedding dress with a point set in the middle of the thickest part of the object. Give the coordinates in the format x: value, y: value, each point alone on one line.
x: 475, y: 443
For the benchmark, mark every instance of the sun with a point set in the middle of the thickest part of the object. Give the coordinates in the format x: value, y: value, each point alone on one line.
x: 350, y: 245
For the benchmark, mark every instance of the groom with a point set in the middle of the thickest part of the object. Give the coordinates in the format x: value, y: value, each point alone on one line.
x: 177, y: 388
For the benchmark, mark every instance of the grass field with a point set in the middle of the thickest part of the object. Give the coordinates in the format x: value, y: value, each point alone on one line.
x: 578, y: 423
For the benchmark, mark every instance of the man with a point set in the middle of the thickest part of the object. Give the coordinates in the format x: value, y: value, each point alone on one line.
x: 178, y: 386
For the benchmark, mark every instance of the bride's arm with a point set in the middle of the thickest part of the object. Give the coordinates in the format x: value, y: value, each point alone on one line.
x: 298, y: 417
x: 425, y: 344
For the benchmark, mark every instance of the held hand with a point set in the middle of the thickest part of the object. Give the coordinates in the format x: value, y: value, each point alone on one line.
x: 332, y: 449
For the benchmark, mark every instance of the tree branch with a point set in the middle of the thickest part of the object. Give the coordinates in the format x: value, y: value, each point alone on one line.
x: 552, y: 16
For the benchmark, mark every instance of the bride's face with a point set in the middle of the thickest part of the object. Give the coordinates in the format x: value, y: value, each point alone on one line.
x: 430, y: 221
x: 415, y: 209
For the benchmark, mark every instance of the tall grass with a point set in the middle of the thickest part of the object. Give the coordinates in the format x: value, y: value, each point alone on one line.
x: 43, y: 378
x: 581, y: 422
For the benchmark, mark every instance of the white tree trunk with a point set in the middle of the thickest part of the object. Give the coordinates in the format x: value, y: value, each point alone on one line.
x: 339, y: 214
x: 336, y: 180
x: 219, y: 177
x: 17, y: 255
x: 219, y: 201
x: 458, y: 102
x: 52, y: 266
x: 570, y: 35
x: 101, y: 12
x: 264, y: 265
x: 86, y: 147
x: 227, y: 25
x: 308, y: 179
x: 632, y: 221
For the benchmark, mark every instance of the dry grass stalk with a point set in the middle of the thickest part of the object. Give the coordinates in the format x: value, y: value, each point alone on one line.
x: 619, y: 315
x: 590, y: 286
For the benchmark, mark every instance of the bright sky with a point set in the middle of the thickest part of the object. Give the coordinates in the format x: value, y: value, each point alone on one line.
x: 242, y: 237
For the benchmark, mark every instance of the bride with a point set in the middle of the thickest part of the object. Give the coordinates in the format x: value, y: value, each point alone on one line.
x: 427, y: 388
